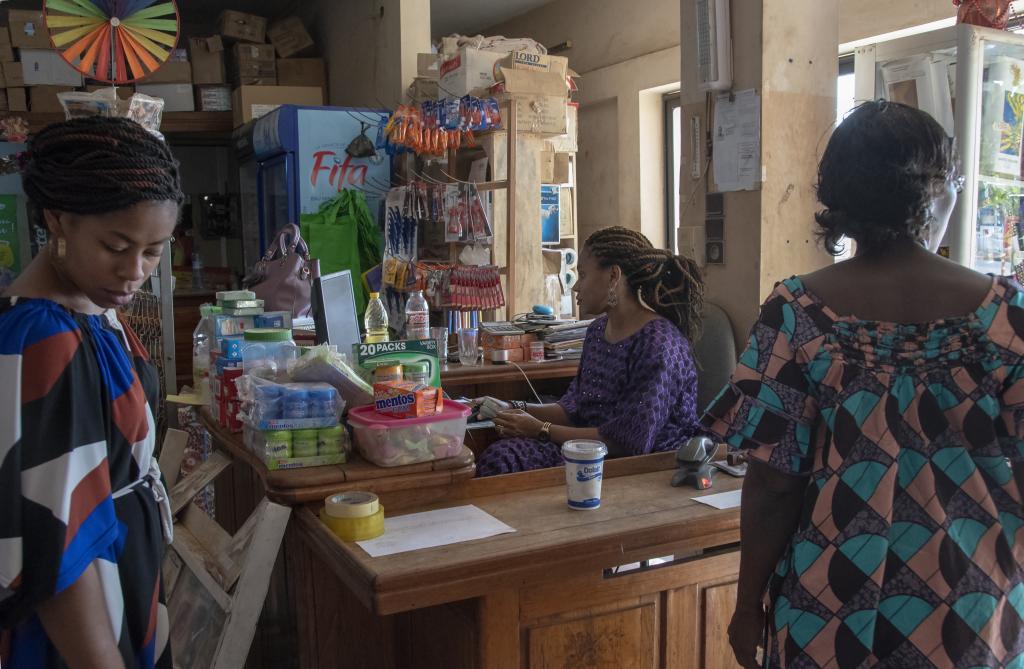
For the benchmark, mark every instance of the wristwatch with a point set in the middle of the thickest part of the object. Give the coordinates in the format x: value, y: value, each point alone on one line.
x: 545, y: 432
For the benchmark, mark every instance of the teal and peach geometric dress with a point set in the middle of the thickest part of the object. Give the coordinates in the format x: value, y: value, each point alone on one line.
x: 910, y: 547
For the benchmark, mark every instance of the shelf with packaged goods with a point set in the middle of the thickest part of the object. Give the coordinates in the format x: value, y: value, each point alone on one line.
x: 514, y: 170
x: 206, y: 127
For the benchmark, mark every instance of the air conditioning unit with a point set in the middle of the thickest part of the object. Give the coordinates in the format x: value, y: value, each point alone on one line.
x: 714, y: 45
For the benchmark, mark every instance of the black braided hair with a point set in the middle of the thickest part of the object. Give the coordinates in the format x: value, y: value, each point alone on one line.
x: 671, y: 285
x: 97, y: 165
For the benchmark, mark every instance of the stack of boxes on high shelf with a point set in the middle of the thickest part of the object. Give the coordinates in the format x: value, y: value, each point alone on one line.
x: 540, y: 86
x: 33, y: 72
x: 232, y: 70
x: 237, y: 70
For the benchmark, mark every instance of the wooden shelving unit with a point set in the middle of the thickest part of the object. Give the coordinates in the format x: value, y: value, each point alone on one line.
x: 507, y: 184
x: 516, y: 268
x: 202, y: 127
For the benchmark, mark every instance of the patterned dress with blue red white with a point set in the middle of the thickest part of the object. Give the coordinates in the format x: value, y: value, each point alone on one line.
x: 78, y: 481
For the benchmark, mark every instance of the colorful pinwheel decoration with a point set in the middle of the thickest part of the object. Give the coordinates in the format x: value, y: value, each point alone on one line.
x: 113, y: 41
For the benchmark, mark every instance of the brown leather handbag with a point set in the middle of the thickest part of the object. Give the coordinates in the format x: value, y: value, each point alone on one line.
x: 283, y: 278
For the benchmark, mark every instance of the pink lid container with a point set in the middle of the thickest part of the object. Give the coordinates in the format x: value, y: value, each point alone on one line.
x: 392, y: 442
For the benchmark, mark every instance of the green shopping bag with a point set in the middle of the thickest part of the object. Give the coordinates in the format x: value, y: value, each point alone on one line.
x: 342, y: 235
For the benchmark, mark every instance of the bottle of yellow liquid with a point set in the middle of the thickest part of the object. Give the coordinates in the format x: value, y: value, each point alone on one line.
x: 376, y: 320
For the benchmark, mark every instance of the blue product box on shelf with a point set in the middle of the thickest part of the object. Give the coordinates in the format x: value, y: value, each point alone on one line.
x: 274, y: 319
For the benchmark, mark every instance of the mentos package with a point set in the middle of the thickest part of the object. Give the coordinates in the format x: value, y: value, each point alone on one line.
x: 406, y: 399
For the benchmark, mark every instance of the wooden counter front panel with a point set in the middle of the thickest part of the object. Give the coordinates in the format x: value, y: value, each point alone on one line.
x: 671, y: 617
x: 623, y: 635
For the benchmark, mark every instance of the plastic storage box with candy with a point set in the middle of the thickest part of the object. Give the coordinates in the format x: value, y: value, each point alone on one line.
x: 391, y: 442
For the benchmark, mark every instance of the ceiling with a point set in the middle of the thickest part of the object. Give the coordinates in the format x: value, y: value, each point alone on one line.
x: 469, y: 17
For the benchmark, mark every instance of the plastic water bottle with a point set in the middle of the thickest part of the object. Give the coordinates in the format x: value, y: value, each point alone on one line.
x: 417, y: 316
x: 201, y: 342
x: 376, y: 320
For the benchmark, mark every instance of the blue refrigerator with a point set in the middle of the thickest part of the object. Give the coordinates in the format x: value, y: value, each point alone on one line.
x: 303, y: 156
x: 17, y: 246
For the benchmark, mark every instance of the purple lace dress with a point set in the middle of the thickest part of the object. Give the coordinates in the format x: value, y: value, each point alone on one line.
x: 640, y: 393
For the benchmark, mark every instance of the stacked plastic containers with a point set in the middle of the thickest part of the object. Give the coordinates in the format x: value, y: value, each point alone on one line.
x: 295, y: 424
x: 224, y: 401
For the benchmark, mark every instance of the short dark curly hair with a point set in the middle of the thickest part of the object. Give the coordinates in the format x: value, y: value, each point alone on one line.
x: 882, y: 168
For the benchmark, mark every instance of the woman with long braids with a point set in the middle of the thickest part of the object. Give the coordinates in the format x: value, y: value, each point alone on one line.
x: 636, y: 389
x: 83, y: 512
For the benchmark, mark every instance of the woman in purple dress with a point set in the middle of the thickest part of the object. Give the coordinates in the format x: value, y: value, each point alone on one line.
x: 636, y: 389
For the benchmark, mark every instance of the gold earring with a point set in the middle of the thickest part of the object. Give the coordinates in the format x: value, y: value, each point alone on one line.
x: 613, y: 298
x: 59, y: 249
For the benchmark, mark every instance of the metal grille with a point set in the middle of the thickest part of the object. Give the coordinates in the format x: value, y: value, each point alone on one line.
x: 143, y: 316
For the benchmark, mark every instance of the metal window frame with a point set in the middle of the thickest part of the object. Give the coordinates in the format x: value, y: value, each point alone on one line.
x: 671, y: 102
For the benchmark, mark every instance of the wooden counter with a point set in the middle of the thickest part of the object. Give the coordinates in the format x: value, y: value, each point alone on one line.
x: 567, y: 589
x: 553, y: 594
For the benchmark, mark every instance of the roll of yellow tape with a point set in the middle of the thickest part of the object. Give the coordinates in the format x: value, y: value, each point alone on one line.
x: 352, y: 504
x: 355, y: 529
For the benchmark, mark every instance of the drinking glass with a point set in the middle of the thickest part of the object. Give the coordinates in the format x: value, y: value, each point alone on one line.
x: 441, y: 336
x: 469, y: 351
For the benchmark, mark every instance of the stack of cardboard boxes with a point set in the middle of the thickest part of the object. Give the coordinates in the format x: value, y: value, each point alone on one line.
x: 33, y: 72
x: 265, y: 75
x: 172, y: 82
x: 235, y: 69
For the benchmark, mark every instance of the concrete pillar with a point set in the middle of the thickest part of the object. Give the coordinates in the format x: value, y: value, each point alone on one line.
x: 370, y: 47
x: 787, y: 51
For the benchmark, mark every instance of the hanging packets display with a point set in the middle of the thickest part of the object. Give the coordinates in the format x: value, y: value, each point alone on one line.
x: 437, y: 126
x: 473, y: 289
x: 400, y: 225
x: 453, y: 287
x: 465, y: 217
x: 458, y: 207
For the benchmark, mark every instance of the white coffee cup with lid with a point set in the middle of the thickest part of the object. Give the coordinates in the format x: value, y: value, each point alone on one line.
x: 584, y: 470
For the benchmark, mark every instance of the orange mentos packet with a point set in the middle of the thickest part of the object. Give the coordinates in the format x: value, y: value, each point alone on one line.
x: 406, y: 399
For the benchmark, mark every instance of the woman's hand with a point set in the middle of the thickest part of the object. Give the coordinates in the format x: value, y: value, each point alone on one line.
x: 746, y: 633
x: 517, y: 423
x: 490, y: 407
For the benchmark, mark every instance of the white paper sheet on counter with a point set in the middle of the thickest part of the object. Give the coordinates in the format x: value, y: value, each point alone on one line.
x: 722, y: 500
x: 430, y: 529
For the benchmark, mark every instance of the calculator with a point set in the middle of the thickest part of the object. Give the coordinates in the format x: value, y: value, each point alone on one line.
x: 501, y: 329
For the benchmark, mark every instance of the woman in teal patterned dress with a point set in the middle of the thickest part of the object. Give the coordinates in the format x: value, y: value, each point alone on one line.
x: 881, y: 401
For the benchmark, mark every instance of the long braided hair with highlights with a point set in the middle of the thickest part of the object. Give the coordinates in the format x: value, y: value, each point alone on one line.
x: 98, y: 165
x: 670, y: 285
